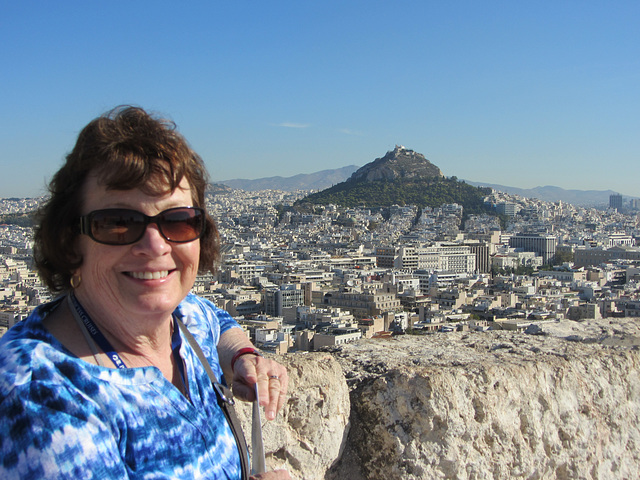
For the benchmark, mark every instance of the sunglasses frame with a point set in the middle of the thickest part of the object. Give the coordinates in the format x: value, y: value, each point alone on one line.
x: 86, y: 220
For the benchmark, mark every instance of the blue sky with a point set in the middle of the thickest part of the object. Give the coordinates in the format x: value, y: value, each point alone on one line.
x: 516, y: 93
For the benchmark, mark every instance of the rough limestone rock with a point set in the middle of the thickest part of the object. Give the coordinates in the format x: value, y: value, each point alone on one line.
x: 561, y: 404
x: 309, y: 434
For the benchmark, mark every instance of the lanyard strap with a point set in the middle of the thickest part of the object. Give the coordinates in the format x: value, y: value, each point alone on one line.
x: 225, y: 400
x: 176, y: 343
x: 95, y: 333
x: 94, y: 336
x: 85, y: 332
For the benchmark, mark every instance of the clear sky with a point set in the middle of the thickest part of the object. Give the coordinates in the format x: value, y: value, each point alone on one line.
x: 522, y: 94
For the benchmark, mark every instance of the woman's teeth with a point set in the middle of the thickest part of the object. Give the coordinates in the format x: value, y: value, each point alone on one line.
x: 149, y: 275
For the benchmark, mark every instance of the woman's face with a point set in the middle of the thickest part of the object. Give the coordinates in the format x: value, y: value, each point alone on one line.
x: 146, y: 279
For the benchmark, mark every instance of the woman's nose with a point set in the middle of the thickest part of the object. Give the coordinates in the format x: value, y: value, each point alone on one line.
x: 152, y: 241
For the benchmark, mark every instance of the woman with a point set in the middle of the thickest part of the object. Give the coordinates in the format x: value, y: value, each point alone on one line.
x: 102, y: 383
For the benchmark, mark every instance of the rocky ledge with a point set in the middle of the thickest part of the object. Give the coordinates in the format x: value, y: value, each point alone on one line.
x: 564, y: 403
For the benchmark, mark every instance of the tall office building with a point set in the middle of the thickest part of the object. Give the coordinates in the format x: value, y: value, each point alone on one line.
x: 284, y: 296
x: 543, y: 245
x: 506, y: 208
x: 615, y: 201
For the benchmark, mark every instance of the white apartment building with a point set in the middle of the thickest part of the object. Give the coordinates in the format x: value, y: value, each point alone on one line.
x: 337, y: 336
x: 245, y: 272
x: 451, y: 257
x: 366, y: 304
x: 620, y: 239
x: 457, y: 258
x: 543, y: 245
x: 10, y: 316
x: 441, y: 256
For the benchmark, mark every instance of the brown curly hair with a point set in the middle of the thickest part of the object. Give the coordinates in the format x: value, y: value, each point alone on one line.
x: 125, y: 148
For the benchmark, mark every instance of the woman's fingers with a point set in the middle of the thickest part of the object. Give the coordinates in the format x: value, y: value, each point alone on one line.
x: 272, y: 380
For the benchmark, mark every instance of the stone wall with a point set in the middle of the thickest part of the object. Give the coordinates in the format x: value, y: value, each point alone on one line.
x: 310, y: 433
x: 473, y: 405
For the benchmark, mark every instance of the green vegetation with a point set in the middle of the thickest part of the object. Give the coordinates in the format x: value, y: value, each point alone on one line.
x: 504, y: 220
x: 345, y: 221
x: 562, y: 257
x: 520, y: 270
x: 20, y: 219
x: 423, y: 192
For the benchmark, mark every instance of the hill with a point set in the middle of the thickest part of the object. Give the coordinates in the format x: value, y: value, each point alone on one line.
x: 398, y: 163
x: 327, y: 178
x: 424, y: 192
x: 215, y: 188
x: 400, y: 177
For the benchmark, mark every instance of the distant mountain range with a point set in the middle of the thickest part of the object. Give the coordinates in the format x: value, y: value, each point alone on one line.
x: 549, y: 193
x: 310, y: 181
x: 327, y: 178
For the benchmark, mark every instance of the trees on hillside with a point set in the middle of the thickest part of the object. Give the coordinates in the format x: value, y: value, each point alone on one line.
x: 424, y: 192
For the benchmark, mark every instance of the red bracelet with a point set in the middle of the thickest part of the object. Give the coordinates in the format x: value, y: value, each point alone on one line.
x: 244, y: 351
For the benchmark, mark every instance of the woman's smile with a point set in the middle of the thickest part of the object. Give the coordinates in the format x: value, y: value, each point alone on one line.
x: 149, y: 275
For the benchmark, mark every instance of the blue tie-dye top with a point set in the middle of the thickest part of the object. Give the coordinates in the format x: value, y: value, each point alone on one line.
x: 64, y: 418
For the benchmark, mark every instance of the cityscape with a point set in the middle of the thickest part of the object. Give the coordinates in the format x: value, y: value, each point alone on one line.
x: 472, y: 311
x: 299, y: 282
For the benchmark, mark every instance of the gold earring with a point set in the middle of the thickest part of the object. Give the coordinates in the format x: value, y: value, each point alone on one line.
x: 75, y: 281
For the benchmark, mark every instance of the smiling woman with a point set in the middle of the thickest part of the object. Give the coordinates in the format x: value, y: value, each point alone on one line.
x: 99, y: 383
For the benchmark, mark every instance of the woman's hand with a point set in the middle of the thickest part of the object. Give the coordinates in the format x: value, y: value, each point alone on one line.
x: 272, y: 382
x: 249, y: 369
x: 274, y: 475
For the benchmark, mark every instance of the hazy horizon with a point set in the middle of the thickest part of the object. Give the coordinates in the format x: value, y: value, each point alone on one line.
x: 284, y: 178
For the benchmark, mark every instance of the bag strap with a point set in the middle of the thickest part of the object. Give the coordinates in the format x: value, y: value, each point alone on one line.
x: 225, y: 401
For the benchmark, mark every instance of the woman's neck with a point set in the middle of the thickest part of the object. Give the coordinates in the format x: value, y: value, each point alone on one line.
x: 145, y: 339
x: 135, y: 350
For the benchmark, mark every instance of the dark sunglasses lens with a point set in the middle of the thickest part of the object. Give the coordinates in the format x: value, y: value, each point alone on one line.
x: 117, y: 227
x: 182, y: 224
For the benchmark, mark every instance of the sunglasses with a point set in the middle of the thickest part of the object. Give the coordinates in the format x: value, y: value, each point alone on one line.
x: 122, y: 226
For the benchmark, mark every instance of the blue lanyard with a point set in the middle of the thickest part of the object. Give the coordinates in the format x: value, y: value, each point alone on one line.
x: 107, y: 348
x: 96, y: 334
